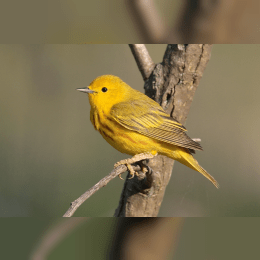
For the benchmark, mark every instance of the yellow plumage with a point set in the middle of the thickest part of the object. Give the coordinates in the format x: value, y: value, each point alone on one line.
x: 135, y: 124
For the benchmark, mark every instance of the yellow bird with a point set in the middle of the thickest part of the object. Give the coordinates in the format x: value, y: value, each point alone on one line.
x: 136, y: 125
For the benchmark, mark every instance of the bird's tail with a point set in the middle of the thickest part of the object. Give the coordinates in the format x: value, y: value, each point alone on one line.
x: 187, y: 159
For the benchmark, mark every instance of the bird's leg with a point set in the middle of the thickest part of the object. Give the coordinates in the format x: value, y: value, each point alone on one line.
x: 144, y: 167
x: 135, y: 158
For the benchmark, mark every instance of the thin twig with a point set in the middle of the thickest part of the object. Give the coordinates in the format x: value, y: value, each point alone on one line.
x: 103, y: 182
x: 151, y: 26
x: 52, y: 237
x: 143, y: 59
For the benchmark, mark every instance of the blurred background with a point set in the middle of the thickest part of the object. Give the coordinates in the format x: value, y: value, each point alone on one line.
x: 138, y: 21
x: 75, y: 21
x: 190, y: 238
x: 51, y: 154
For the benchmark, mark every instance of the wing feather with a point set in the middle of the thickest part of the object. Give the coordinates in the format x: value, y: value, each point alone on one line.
x: 148, y: 118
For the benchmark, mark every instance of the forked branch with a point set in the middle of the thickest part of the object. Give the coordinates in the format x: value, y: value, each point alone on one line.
x: 176, y: 78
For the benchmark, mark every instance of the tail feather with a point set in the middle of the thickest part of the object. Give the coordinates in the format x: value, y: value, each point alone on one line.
x: 188, y: 160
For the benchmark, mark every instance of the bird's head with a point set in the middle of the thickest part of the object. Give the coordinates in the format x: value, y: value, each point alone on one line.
x: 105, y: 91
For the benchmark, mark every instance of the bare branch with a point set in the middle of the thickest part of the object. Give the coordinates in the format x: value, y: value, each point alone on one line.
x: 150, y: 25
x: 143, y: 59
x: 54, y: 236
x: 103, y: 182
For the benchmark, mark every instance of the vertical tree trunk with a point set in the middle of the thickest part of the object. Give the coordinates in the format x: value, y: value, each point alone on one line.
x: 145, y: 238
x: 172, y: 83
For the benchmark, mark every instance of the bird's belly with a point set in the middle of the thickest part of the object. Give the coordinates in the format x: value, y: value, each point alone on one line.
x: 129, y: 142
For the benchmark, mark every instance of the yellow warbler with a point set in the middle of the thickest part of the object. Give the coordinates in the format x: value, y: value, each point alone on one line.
x: 135, y: 124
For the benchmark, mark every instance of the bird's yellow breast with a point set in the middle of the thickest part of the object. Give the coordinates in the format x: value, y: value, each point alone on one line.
x: 122, y: 139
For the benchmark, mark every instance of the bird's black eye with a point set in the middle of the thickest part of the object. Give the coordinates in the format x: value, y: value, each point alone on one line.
x: 104, y: 89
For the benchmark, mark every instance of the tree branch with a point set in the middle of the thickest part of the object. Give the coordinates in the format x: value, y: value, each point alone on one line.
x: 172, y: 84
x: 143, y: 59
x: 103, y: 182
x: 150, y: 25
x: 52, y: 237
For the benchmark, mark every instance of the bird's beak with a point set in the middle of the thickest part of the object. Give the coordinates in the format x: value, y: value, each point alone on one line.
x: 86, y: 90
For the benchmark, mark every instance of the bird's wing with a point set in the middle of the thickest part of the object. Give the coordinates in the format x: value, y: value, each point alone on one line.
x: 148, y: 118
